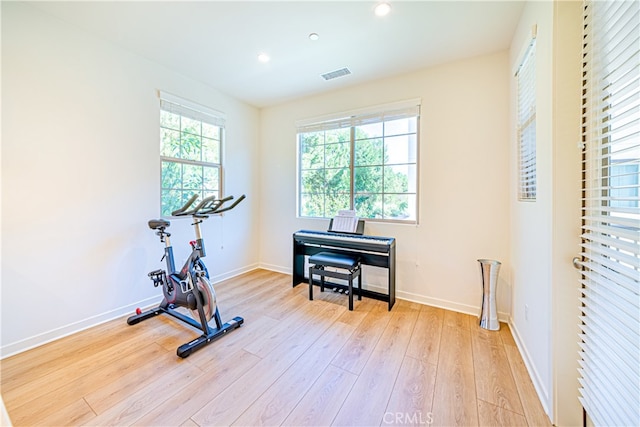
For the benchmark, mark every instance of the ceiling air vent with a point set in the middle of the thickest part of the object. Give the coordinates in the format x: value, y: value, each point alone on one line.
x: 337, y: 73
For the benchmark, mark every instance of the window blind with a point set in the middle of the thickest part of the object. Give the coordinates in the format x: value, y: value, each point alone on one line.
x: 380, y: 113
x: 610, y: 295
x: 526, y: 125
x: 175, y: 104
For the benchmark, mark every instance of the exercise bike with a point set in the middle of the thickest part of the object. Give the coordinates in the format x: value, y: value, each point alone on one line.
x: 190, y: 287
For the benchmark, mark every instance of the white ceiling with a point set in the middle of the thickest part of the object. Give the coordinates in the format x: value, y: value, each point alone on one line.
x: 217, y: 42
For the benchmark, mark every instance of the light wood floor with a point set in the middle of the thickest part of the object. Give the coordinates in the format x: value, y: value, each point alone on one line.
x: 293, y: 362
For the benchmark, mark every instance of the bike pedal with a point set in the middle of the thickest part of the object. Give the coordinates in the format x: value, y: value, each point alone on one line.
x: 158, y: 277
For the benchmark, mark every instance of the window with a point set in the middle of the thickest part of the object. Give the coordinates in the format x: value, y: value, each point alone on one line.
x: 610, y: 277
x: 624, y: 180
x: 526, y: 124
x: 190, y: 151
x: 365, y: 161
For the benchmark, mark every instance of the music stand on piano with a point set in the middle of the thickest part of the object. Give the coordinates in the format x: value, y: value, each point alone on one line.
x: 359, y: 228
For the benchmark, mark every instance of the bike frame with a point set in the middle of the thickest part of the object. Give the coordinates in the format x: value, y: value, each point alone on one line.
x: 187, y: 276
x: 197, y: 252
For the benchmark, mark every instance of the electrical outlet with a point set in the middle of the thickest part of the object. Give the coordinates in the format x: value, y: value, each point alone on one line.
x: 526, y: 312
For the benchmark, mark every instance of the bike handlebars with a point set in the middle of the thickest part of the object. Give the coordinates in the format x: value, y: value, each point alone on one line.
x: 233, y: 205
x: 181, y: 211
x: 208, y: 206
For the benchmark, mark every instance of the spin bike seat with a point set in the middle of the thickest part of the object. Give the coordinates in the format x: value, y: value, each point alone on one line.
x: 158, y: 224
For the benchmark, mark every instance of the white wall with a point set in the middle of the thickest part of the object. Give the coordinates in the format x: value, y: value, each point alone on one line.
x: 545, y: 234
x: 80, y: 179
x: 463, y: 188
x: 531, y: 221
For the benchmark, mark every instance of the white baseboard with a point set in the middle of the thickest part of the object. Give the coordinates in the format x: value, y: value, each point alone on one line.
x: 435, y: 302
x: 234, y: 273
x: 55, y: 334
x: 46, y: 337
x: 447, y: 305
x: 72, y: 328
x: 543, y: 394
x: 276, y: 268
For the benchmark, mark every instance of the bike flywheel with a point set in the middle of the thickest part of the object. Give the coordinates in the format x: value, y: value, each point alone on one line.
x: 208, y: 296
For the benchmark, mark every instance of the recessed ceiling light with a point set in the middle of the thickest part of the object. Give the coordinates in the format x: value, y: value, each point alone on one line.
x: 382, y: 9
x: 314, y: 36
x: 263, y: 57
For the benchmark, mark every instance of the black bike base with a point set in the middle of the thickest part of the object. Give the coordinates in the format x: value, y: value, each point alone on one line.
x: 207, y: 337
x: 186, y: 349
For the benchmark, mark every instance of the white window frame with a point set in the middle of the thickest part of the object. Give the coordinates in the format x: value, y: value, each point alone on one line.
x: 526, y: 122
x: 349, y: 121
x: 209, y: 159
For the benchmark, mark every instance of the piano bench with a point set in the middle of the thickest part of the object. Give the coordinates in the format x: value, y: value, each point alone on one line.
x: 351, y: 264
